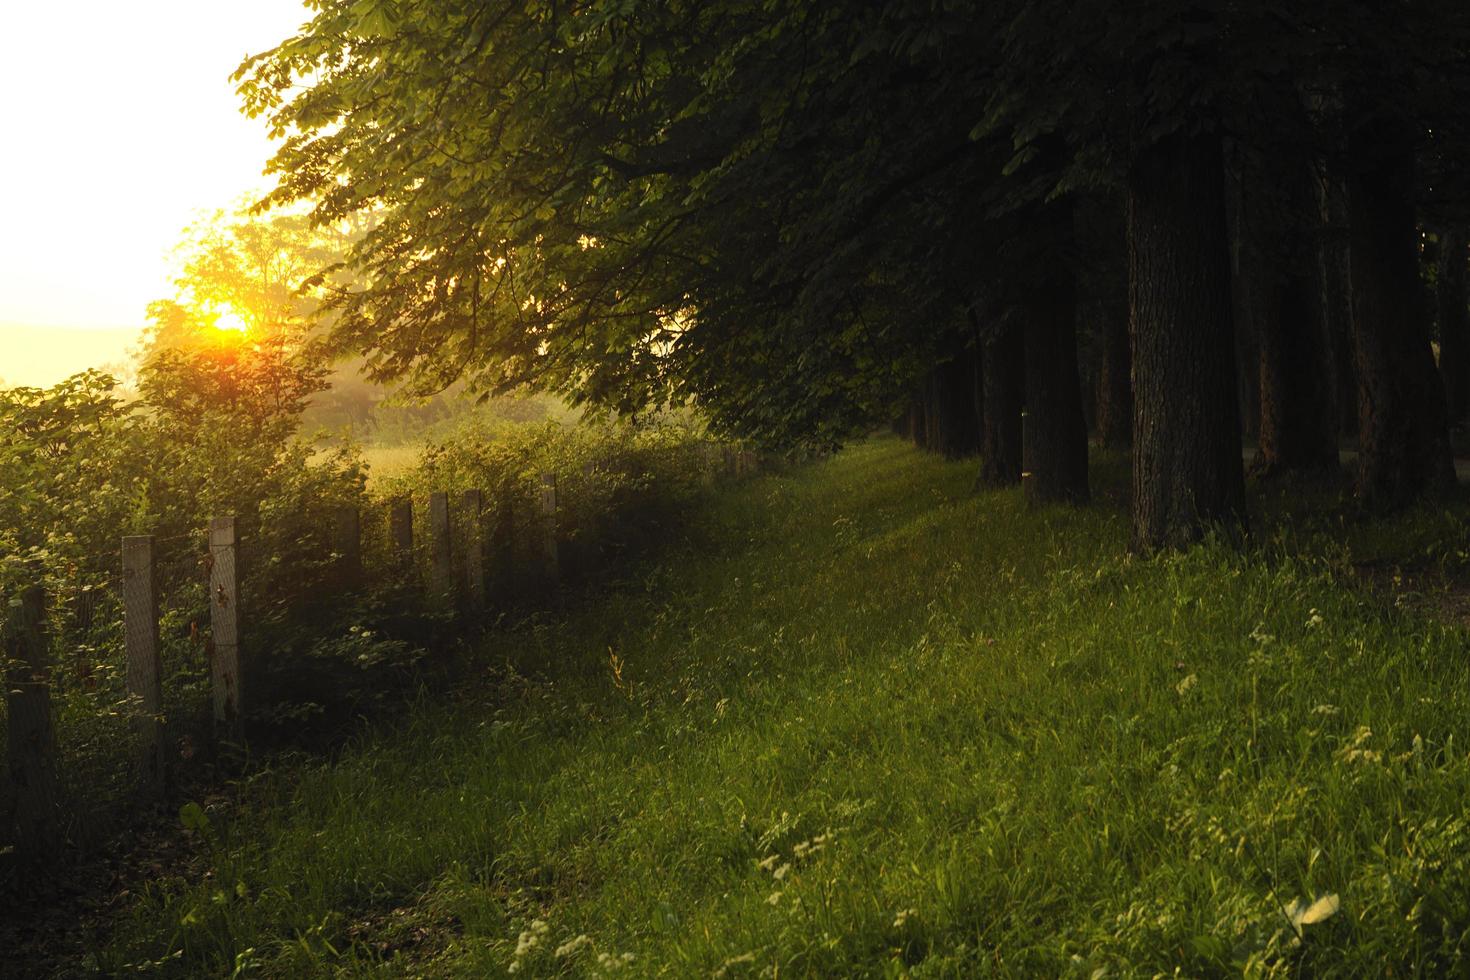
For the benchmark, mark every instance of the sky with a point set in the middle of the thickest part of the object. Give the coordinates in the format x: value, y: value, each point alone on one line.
x: 120, y: 126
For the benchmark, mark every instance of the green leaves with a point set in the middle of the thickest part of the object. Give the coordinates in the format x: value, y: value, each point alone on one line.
x: 194, y: 819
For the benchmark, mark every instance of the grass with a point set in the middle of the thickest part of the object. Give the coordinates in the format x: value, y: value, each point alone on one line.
x: 867, y: 723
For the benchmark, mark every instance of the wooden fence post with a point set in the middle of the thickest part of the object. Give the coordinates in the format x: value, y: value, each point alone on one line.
x: 347, y: 545
x: 443, y: 554
x: 548, y: 525
x: 226, y: 676
x: 473, y: 504
x: 728, y: 456
x: 400, y: 528
x: 145, y: 672
x: 30, y: 728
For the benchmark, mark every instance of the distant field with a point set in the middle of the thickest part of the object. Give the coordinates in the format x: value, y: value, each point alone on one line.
x: 387, y: 461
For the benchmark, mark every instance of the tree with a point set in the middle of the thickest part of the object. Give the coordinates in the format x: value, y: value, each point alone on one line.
x: 779, y: 210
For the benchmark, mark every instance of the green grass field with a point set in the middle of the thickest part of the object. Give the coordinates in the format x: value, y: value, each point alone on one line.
x: 864, y: 722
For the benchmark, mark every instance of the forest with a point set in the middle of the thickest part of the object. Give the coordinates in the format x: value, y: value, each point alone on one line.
x: 935, y: 489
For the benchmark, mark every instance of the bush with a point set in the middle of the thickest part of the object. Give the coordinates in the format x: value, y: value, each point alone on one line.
x: 80, y: 467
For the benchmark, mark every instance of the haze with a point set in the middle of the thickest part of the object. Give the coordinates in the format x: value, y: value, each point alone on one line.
x: 121, y: 125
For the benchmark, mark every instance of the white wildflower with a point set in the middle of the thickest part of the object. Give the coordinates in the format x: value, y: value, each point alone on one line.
x: 573, y: 946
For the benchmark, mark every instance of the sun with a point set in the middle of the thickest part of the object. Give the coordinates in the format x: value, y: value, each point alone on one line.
x: 228, y: 320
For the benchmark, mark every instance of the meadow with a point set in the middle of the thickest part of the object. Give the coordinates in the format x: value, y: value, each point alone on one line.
x: 856, y: 719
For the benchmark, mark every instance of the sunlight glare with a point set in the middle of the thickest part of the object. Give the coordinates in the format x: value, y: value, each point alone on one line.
x: 229, y: 320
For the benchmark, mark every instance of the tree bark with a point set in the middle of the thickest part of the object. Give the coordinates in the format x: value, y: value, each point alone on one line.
x: 1404, y: 450
x: 1187, y: 470
x: 1054, y: 464
x: 1003, y: 368
x: 1454, y: 322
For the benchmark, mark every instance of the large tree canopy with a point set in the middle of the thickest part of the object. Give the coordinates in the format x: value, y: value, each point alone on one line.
x: 798, y: 214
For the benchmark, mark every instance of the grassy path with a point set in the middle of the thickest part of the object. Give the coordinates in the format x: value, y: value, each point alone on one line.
x: 876, y: 725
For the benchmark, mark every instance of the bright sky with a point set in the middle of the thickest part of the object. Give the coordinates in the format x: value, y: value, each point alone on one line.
x: 119, y: 125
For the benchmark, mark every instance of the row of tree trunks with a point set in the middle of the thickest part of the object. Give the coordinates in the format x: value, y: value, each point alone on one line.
x: 944, y: 416
x: 1278, y: 229
x: 1181, y: 344
x: 1404, y: 450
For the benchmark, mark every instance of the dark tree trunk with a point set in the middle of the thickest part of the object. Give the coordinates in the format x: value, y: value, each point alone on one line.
x: 1245, y: 300
x: 916, y: 422
x: 1115, y: 382
x: 1454, y: 322
x: 1102, y: 289
x: 1187, y: 470
x: 933, y: 422
x: 1054, y: 463
x: 1297, y: 431
x: 1336, y: 289
x: 1404, y: 450
x: 954, y: 403
x: 1004, y: 364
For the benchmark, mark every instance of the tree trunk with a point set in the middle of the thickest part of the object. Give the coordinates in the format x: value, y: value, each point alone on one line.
x: 1454, y: 322
x: 1298, y: 412
x: 1102, y: 290
x: 1055, y: 437
x: 1115, y: 383
x: 916, y: 430
x: 1187, y: 471
x: 953, y: 383
x: 1336, y: 289
x: 1245, y: 301
x: 1003, y: 368
x: 1404, y: 450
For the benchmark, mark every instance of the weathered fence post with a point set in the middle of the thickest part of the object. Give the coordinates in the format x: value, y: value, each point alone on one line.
x: 145, y: 673
x: 400, y: 528
x: 548, y: 525
x: 472, y: 502
x: 225, y: 669
x: 443, y: 554
x: 728, y: 456
x: 347, y: 546
x: 30, y: 728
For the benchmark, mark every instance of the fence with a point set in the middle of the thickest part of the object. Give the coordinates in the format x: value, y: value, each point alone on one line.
x: 456, y: 577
